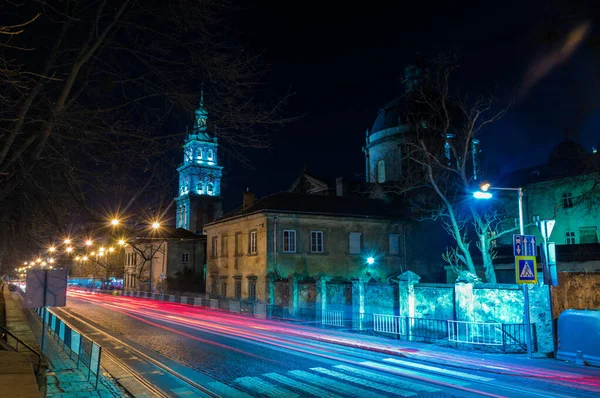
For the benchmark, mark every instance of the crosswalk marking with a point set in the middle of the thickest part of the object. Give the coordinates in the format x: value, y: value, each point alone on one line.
x: 412, y: 373
x: 262, y: 387
x: 300, y: 386
x: 362, y: 382
x: 387, y: 379
x: 333, y: 385
x: 226, y: 391
x: 438, y: 370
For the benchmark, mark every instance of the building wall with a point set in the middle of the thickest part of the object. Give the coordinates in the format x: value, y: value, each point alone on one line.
x: 545, y: 199
x: 335, y: 261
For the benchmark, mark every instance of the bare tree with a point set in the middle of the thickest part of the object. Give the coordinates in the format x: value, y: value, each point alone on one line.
x: 441, y: 156
x: 87, y: 90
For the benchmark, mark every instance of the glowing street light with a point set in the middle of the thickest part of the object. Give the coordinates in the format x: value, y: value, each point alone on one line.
x: 84, y: 258
x: 482, y: 195
x: 121, y: 242
x: 69, y: 249
x: 115, y: 222
x: 88, y: 242
x: 155, y: 225
x: 77, y: 258
x: 51, y: 260
x: 39, y: 260
x: 370, y: 261
x: 111, y: 249
x: 51, y: 249
x: 67, y: 241
x: 25, y: 263
x: 485, y: 186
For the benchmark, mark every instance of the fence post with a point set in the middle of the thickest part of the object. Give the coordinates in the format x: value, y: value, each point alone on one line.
x: 294, y: 297
x: 407, y: 327
x: 406, y: 294
x: 358, y: 303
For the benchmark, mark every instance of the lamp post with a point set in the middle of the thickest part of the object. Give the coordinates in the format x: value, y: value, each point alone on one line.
x: 483, y: 194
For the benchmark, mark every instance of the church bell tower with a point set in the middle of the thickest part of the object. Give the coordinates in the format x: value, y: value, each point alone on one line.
x: 199, y: 201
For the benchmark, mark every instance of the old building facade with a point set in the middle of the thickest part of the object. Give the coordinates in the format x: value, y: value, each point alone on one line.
x: 266, y: 249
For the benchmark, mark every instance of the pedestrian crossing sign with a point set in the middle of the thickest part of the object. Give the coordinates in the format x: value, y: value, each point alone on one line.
x: 526, y: 269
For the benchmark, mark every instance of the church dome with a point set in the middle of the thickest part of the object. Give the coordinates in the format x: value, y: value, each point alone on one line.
x: 389, y: 116
x: 568, y: 150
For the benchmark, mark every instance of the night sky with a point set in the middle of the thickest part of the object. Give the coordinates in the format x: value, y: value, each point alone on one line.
x: 344, y: 61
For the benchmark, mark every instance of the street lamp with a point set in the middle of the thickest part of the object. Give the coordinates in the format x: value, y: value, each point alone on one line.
x: 67, y: 241
x: 155, y: 225
x: 115, y: 222
x: 88, y: 242
x: 370, y: 261
x: 51, y: 249
x: 483, y: 194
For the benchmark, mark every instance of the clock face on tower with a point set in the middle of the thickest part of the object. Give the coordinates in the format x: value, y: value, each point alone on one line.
x: 200, y: 122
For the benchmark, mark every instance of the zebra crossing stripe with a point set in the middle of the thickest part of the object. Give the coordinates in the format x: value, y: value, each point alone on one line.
x: 438, y: 370
x: 362, y: 382
x: 300, y: 386
x: 387, y: 379
x: 262, y: 387
x: 333, y: 385
x: 412, y: 373
x: 226, y: 391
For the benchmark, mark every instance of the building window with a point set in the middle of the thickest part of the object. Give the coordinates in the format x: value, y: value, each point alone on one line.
x: 381, y: 171
x: 224, y: 244
x: 570, y: 237
x: 316, y: 241
x: 224, y: 289
x: 213, y: 287
x: 252, y: 290
x: 183, y: 216
x: 214, y: 246
x: 289, y: 241
x: 185, y: 258
x: 567, y: 198
x: 238, y: 244
x: 252, y: 244
x: 355, y: 247
x: 394, y: 243
x: 210, y: 154
x: 199, y: 188
x: 238, y: 290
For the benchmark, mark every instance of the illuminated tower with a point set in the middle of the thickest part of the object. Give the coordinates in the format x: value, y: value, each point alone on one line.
x: 199, y: 200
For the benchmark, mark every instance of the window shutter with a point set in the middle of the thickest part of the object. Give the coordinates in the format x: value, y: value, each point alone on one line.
x: 355, y: 242
x: 394, y: 245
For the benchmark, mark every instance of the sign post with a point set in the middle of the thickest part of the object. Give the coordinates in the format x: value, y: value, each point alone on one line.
x: 45, y: 289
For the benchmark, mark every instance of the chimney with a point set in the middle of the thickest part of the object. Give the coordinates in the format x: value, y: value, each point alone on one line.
x: 249, y: 199
x: 340, y: 187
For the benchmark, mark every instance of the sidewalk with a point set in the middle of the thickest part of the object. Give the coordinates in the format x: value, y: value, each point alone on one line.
x: 64, y: 379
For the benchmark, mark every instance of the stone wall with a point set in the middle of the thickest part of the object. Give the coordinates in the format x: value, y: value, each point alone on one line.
x: 381, y: 299
x: 501, y: 303
x: 308, y: 295
x: 339, y: 296
x: 282, y: 293
x: 434, y: 301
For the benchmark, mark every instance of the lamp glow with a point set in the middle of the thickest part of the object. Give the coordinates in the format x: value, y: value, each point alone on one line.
x: 114, y: 222
x: 67, y: 241
x: 69, y: 249
x: 155, y: 225
x: 51, y: 249
x: 88, y: 242
x: 121, y: 242
x: 370, y: 261
x: 482, y: 195
x: 485, y: 186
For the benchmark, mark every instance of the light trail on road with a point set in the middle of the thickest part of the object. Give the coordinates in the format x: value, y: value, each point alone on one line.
x: 189, y: 321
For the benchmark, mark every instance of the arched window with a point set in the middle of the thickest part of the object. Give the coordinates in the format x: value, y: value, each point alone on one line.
x: 209, y: 188
x: 381, y: 172
x: 183, y: 217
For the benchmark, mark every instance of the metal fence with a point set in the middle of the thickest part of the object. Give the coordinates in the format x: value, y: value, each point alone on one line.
x: 428, y: 330
x: 84, y: 351
x: 508, y: 337
x: 389, y: 324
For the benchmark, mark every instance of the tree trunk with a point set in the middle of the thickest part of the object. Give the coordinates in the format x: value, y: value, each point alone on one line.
x: 488, y: 264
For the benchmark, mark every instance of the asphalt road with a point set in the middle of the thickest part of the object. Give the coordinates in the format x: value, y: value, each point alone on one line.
x: 185, y: 351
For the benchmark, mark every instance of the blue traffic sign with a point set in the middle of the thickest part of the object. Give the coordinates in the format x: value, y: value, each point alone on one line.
x: 526, y: 269
x: 524, y: 245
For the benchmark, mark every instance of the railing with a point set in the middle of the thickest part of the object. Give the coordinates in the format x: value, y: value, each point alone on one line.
x: 5, y: 334
x: 477, y: 333
x: 425, y: 329
x: 515, y: 337
x: 389, y: 324
x: 362, y: 321
x: 86, y: 352
x: 332, y: 318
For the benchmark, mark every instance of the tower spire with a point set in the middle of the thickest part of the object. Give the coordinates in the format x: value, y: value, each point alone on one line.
x: 202, y: 96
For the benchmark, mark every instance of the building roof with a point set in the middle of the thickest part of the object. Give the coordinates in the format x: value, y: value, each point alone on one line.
x: 290, y: 202
x: 169, y: 233
x: 389, y: 115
